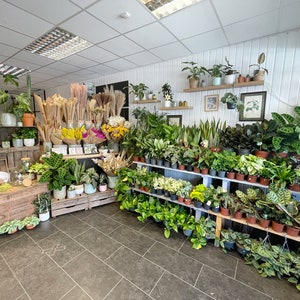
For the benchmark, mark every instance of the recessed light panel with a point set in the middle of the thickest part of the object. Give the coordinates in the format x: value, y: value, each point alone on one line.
x: 10, y: 70
x: 163, y: 8
x: 58, y: 44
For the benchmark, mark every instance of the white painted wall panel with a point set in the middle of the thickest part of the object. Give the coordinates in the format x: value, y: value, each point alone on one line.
x: 282, y: 84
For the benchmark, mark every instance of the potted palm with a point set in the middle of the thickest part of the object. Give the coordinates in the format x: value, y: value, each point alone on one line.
x: 195, y: 72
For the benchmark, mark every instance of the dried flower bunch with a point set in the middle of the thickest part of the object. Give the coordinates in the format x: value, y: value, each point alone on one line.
x: 111, y: 163
x: 115, y: 128
x: 93, y: 136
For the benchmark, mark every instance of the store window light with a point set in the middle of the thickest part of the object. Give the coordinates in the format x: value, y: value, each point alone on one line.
x: 58, y: 44
x: 10, y: 70
x: 163, y: 8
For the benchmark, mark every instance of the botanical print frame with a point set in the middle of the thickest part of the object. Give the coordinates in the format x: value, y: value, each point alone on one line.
x: 254, y: 106
x: 174, y: 120
x: 211, y: 102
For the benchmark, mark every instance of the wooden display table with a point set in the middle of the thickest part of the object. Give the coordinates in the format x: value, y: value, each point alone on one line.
x: 17, y: 203
x: 83, y: 202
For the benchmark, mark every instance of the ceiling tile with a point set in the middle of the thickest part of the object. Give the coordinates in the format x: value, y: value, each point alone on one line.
x: 50, y: 71
x: 13, y: 38
x: 54, y: 11
x: 151, y: 36
x: 102, y: 69
x: 79, y: 61
x: 87, y: 73
x: 7, y: 50
x: 97, y: 54
x: 73, y: 77
x: 143, y: 58
x: 39, y: 76
x: 170, y: 51
x: 63, y: 67
x: 83, y: 3
x: 18, y: 20
x: 121, y: 46
x: 89, y: 28
x: 22, y: 64
x: 108, y: 13
x: 231, y: 11
x: 289, y: 17
x: 191, y: 21
x: 252, y: 28
x: 34, y: 58
x: 121, y: 64
x: 205, y: 41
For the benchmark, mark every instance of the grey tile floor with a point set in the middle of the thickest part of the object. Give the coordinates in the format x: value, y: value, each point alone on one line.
x: 105, y: 253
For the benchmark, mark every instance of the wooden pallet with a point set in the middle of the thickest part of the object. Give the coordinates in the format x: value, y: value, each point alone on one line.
x: 17, y: 203
x: 83, y: 202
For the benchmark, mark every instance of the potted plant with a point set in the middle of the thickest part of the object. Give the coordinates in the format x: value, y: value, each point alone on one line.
x: 7, y: 118
x: 195, y: 72
x: 29, y: 135
x: 71, y: 193
x: 232, y: 101
x: 42, y: 204
x: 31, y: 222
x: 227, y: 239
x: 12, y: 226
x: 58, y: 175
x: 197, y: 194
x: 90, y: 180
x: 138, y: 90
x: 102, y: 182
x: 189, y: 226
x: 259, y: 72
x: 23, y: 109
x: 38, y: 169
x: 17, y: 138
x: 216, y: 73
x: 229, y: 72
x: 166, y: 90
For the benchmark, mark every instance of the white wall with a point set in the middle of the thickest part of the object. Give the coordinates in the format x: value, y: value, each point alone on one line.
x: 282, y: 84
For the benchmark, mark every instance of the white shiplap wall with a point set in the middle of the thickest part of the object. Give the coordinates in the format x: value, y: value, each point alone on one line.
x: 282, y: 84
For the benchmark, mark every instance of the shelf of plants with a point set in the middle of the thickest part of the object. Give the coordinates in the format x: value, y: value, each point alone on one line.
x: 224, y: 86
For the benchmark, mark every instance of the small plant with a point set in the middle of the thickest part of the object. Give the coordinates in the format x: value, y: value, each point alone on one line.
x: 102, y: 179
x: 260, y: 60
x: 228, y: 68
x: 42, y: 203
x: 216, y: 70
x: 195, y: 71
x: 167, y: 92
x: 137, y: 89
x: 29, y: 133
x: 4, y: 96
x: 32, y: 220
x: 90, y: 176
x: 233, y: 100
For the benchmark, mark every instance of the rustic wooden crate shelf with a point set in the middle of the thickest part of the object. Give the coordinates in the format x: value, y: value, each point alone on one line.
x: 83, y: 202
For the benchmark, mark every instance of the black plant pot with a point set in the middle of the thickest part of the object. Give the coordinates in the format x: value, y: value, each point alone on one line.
x: 216, y: 209
x: 173, y: 197
x: 197, y: 204
x: 167, y: 164
x: 231, y: 105
x: 159, y: 192
x: 189, y: 168
x: 229, y: 245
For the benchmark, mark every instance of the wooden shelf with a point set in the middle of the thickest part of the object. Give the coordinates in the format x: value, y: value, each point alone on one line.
x: 224, y: 86
x: 19, y: 149
x: 176, y: 108
x: 82, y: 156
x: 145, y: 101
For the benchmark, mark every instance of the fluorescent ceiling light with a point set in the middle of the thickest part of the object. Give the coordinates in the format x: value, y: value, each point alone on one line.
x: 58, y: 44
x: 10, y: 70
x: 163, y: 8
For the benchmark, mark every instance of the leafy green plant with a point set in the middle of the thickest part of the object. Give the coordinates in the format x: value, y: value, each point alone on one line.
x: 77, y: 170
x: 265, y: 131
x: 38, y: 168
x: 166, y: 90
x: 4, y: 95
x: 198, y: 192
x: 194, y: 69
x: 58, y: 173
x: 22, y: 106
x: 228, y: 68
x: 216, y: 70
x: 31, y: 220
x: 42, y: 202
x: 90, y: 176
x: 29, y: 133
x: 234, y: 100
x: 137, y: 89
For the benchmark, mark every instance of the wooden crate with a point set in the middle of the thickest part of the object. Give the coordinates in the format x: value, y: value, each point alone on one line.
x: 83, y: 202
x: 17, y: 204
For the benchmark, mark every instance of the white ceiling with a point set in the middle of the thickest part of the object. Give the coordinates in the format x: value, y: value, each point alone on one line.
x: 122, y: 44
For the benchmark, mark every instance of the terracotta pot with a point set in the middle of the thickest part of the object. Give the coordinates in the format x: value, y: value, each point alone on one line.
x: 135, y: 158
x: 238, y: 215
x: 292, y: 231
x: 181, y: 167
x: 215, y: 149
x: 264, y: 181
x: 194, y: 83
x: 295, y: 187
x: 28, y: 119
x: 224, y: 211
x: 240, y: 177
x: 252, y: 178
x: 264, y: 223
x: 262, y: 154
x: 230, y: 175
x: 196, y: 170
x: 204, y: 171
x: 251, y: 219
x: 142, y: 159
x: 29, y: 226
x: 240, y: 79
x: 180, y: 199
x: 278, y: 227
x: 187, y: 201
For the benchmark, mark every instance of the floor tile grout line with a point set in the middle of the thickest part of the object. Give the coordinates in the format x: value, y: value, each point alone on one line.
x: 200, y: 271
x: 236, y: 269
x: 74, y: 287
x: 113, y: 288
x: 107, y: 258
x: 149, y: 249
x: 164, y: 272
x: 15, y: 276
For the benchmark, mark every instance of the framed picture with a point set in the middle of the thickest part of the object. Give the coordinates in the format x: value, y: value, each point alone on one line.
x: 174, y: 120
x: 211, y: 102
x: 254, y: 106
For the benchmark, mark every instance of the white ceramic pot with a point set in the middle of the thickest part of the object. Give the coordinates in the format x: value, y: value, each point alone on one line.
x: 71, y: 194
x: 29, y: 142
x: 60, y: 194
x: 79, y: 189
x: 217, y: 80
x: 229, y: 79
x: 44, y: 216
x: 168, y: 103
x: 8, y: 119
x: 17, y: 142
